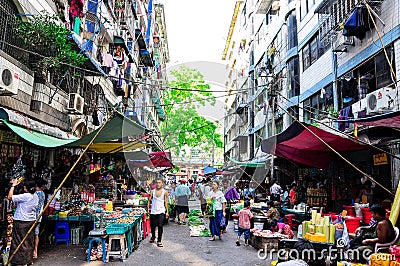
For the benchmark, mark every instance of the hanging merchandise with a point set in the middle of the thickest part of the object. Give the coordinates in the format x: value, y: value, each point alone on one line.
x: 76, y: 8
x: 358, y: 23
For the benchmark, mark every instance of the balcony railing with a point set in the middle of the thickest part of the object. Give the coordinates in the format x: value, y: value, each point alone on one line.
x: 333, y: 12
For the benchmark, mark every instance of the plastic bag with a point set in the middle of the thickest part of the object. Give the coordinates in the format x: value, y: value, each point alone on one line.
x: 223, y: 222
x: 210, y: 208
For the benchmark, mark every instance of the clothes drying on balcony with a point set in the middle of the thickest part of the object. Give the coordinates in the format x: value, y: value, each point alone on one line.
x: 349, y: 89
x: 358, y: 23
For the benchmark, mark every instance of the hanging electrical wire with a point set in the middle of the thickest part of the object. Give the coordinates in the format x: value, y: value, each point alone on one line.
x: 335, y: 151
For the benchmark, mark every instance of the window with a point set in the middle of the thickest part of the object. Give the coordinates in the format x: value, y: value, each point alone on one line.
x: 313, y: 50
x: 382, y: 68
x: 303, y: 9
x: 279, y: 125
x: 292, y: 30
x: 306, y: 57
x: 316, y: 106
x: 293, y: 77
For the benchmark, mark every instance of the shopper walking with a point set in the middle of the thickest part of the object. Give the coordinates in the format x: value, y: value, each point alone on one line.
x: 182, y: 194
x: 41, y: 197
x: 245, y: 215
x: 171, y: 202
x: 158, y: 212
x: 220, y: 202
x: 205, y: 189
x: 24, y: 218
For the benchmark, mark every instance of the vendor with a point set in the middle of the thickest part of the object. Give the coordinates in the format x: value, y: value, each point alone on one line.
x: 282, y: 228
x: 272, y: 213
x: 381, y: 231
x: 366, y: 193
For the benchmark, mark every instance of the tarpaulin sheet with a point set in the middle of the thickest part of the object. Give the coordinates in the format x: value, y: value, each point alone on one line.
x: 299, y: 145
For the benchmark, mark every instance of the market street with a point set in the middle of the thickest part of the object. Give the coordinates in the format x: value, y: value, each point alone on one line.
x: 179, y: 249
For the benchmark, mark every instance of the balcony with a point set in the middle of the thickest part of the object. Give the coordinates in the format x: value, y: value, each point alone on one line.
x: 333, y: 12
x: 263, y: 6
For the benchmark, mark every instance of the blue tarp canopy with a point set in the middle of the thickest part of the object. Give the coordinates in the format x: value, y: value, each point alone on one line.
x: 209, y: 170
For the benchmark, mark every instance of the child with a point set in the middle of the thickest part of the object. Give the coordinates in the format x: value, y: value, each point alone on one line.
x: 245, y: 216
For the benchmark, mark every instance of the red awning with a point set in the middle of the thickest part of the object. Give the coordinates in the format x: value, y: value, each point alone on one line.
x: 156, y: 160
x: 299, y: 145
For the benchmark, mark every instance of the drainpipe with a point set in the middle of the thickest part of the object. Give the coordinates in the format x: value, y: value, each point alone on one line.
x: 334, y: 82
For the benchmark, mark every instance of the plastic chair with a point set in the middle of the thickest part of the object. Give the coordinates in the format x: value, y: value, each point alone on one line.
x: 387, y: 245
x: 289, y: 220
x: 61, y: 233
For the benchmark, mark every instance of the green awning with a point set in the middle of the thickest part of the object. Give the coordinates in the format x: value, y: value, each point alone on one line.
x: 118, y: 127
x: 248, y: 164
x: 38, y: 138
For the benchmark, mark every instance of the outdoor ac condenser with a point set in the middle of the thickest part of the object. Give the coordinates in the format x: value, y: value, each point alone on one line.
x: 9, y: 79
x: 75, y: 103
x: 381, y: 101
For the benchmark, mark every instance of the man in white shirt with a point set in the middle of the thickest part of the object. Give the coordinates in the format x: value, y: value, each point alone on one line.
x: 276, y: 191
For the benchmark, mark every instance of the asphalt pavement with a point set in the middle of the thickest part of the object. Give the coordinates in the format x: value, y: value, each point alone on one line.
x: 179, y: 249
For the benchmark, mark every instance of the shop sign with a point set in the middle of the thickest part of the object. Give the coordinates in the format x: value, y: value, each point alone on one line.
x: 7, y: 136
x: 380, y: 159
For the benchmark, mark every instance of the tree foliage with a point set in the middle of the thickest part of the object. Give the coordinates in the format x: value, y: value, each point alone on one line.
x: 184, y: 125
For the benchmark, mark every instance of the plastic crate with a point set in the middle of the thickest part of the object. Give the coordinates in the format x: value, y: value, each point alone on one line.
x: 73, y: 218
x: 86, y: 218
x: 116, y: 229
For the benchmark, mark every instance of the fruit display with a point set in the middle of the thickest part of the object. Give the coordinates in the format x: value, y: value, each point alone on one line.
x: 113, y: 215
x: 125, y: 220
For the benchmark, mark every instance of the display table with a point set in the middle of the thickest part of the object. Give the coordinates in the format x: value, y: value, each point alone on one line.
x: 300, y: 215
x: 265, y: 243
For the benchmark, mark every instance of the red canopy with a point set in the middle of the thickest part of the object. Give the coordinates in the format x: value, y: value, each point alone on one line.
x: 299, y: 145
x: 157, y: 159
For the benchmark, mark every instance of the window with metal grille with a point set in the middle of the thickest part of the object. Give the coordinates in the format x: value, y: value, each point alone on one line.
x: 8, y: 24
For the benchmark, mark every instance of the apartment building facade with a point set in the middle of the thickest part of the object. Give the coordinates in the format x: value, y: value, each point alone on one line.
x: 123, y: 69
x: 304, y: 61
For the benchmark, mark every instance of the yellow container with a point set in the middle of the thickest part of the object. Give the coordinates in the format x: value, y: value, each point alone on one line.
x: 380, y: 259
x: 274, y: 262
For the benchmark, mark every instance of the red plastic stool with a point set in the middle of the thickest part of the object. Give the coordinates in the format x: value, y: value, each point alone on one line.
x: 289, y: 220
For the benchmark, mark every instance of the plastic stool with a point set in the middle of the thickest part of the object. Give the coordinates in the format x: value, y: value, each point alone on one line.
x: 117, y: 246
x: 99, y: 239
x: 289, y: 220
x: 61, y: 233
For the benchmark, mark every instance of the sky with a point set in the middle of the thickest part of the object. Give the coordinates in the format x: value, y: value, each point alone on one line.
x: 197, y: 29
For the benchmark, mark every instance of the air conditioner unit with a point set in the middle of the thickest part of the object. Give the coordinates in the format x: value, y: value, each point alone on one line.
x: 9, y: 80
x: 342, y: 42
x: 381, y: 101
x: 75, y: 103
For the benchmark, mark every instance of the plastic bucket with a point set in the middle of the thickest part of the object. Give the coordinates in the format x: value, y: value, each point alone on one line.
x: 352, y: 223
x: 259, y: 225
x: 350, y: 210
x: 367, y: 215
x: 236, y: 225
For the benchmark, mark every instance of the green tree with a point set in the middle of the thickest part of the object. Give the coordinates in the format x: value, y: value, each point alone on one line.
x: 46, y: 36
x: 184, y: 126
